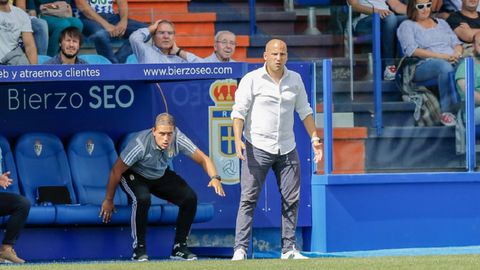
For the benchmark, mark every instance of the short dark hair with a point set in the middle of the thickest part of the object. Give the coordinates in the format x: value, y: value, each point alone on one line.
x: 73, y: 32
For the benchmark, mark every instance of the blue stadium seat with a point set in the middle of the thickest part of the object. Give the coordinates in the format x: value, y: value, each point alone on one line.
x: 132, y: 59
x: 91, y: 156
x: 43, y: 58
x: 38, y: 215
x: 41, y: 161
x: 94, y: 59
x: 205, y: 211
x: 35, y: 171
x: 8, y: 164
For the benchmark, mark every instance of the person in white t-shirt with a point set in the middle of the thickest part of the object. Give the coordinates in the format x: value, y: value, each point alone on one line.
x: 15, y: 25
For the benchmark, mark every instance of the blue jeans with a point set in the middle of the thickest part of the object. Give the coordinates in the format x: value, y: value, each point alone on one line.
x: 388, y: 35
x: 103, y: 42
x: 40, y: 34
x: 434, y: 68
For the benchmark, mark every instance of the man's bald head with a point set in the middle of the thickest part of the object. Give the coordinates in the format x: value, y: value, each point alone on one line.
x: 275, y: 56
x: 275, y: 43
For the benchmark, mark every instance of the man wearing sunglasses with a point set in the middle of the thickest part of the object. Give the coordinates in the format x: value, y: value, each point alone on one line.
x: 466, y: 23
x: 392, y: 13
x: 224, y: 47
x: 156, y: 44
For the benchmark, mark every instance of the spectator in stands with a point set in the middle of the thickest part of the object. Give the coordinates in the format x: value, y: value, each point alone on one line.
x: 163, y: 49
x: 39, y: 27
x: 436, y: 45
x: 392, y: 13
x: 466, y: 23
x: 17, y: 207
x: 15, y: 24
x: 460, y: 77
x: 142, y: 169
x: 224, y: 47
x: 448, y: 7
x: 70, y: 42
x: 101, y: 25
x: 270, y: 143
x: 55, y: 24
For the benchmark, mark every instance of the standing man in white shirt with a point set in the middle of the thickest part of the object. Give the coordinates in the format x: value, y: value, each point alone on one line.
x: 224, y: 47
x: 264, y: 104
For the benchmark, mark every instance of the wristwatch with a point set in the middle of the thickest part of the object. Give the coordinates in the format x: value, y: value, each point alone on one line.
x: 178, y: 52
x: 216, y: 176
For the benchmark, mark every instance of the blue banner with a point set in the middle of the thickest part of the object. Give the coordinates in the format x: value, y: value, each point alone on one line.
x: 131, y: 72
x: 118, y: 99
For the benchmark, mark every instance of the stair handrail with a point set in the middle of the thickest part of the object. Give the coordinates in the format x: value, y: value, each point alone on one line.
x: 327, y: 117
x: 350, y: 47
x: 252, y: 17
x: 470, y: 111
x: 377, y: 79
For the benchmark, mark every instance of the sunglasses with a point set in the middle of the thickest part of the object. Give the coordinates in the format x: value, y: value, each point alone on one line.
x: 424, y: 5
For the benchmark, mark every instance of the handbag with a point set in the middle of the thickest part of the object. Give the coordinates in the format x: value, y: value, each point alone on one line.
x: 59, y: 9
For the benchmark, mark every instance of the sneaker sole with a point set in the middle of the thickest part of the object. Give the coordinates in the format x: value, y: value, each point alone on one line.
x: 182, y: 259
x: 141, y: 260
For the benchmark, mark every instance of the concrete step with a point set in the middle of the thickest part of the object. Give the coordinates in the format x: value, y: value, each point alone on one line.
x: 395, y: 114
x: 300, y: 47
x: 268, y: 22
x: 185, y: 23
x: 413, y: 149
x: 233, y: 5
x: 174, y: 6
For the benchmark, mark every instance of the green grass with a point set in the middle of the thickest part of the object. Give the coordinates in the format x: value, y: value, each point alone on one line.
x: 449, y: 262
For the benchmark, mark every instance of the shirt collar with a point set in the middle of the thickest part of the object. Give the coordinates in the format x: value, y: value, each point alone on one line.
x: 265, y: 73
x: 154, y: 143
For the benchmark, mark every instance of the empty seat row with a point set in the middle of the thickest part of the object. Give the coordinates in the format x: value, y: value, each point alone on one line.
x: 68, y: 187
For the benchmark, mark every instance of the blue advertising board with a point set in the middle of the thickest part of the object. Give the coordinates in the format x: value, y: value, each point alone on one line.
x: 118, y: 99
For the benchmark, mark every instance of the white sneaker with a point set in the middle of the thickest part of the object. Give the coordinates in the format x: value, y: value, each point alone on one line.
x: 389, y: 73
x: 239, y: 255
x: 293, y: 254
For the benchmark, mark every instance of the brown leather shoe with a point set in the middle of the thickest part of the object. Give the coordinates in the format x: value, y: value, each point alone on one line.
x: 9, y: 255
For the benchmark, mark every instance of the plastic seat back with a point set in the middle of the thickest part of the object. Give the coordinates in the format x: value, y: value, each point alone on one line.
x: 92, y: 155
x: 41, y: 161
x: 132, y: 59
x: 8, y: 165
x: 94, y: 59
x: 43, y: 58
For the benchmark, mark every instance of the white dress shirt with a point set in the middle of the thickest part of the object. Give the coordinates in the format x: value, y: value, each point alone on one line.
x: 267, y: 109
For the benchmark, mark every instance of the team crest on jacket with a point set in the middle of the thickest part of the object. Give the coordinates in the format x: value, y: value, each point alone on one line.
x: 37, y: 147
x: 221, y: 139
x: 89, y: 146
